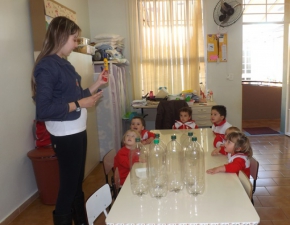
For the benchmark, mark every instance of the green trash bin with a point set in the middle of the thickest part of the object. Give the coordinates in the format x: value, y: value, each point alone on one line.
x: 46, y: 170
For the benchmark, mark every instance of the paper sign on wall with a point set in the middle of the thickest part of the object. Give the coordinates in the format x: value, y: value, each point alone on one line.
x: 217, y: 47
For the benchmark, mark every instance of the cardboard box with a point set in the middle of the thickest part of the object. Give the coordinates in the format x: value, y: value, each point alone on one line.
x: 86, y: 49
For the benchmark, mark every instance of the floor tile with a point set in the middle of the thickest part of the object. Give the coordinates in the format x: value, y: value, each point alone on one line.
x: 282, y: 181
x: 274, y: 201
x: 281, y: 222
x: 261, y: 191
x: 271, y: 213
x: 262, y: 182
x: 267, y: 174
x: 279, y: 190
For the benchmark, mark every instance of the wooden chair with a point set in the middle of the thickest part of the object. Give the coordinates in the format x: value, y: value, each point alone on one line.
x: 116, y: 183
x: 246, y: 184
x: 108, y: 166
x: 254, y: 169
x: 98, y: 203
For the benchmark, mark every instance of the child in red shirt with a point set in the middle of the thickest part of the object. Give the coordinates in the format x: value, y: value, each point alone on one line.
x: 138, y: 124
x: 221, y: 149
x: 185, y: 121
x: 122, y: 160
x: 239, y: 152
x: 218, y: 118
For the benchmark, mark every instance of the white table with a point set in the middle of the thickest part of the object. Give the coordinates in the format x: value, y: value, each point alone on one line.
x: 224, y: 201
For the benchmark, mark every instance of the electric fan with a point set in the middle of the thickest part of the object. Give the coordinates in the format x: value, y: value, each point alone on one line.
x: 227, y: 12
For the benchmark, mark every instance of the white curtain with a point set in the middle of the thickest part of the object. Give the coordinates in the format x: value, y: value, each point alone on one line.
x: 166, y: 45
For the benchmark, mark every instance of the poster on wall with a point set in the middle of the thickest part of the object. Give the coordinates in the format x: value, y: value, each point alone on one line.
x: 217, y: 47
x: 54, y: 9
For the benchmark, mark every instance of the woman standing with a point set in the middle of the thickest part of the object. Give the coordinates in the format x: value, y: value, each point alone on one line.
x: 61, y: 102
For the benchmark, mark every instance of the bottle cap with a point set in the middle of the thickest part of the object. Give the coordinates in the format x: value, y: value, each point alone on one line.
x: 194, y: 139
x: 190, y: 133
x: 156, y: 141
x: 157, y: 135
x: 137, y: 139
x: 173, y: 137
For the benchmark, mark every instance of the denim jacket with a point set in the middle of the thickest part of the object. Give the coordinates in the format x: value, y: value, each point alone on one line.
x: 57, y: 84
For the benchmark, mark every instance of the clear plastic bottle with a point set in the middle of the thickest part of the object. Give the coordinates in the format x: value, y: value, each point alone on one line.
x: 194, y: 169
x: 174, y: 163
x: 138, y: 167
x: 156, y: 170
x: 185, y: 138
x: 163, y: 145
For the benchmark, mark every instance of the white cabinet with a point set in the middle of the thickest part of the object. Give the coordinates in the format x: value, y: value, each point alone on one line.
x: 201, y: 114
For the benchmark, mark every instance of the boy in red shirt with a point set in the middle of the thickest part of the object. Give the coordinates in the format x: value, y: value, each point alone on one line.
x: 185, y: 122
x: 138, y: 124
x: 218, y: 118
x: 122, y: 160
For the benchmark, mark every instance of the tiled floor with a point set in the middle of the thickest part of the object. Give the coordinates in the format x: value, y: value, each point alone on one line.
x: 272, y: 196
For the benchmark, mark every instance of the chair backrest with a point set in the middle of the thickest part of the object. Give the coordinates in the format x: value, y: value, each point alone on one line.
x: 108, y: 163
x: 98, y: 203
x: 116, y: 183
x: 254, y: 168
x: 168, y: 112
x: 246, y: 183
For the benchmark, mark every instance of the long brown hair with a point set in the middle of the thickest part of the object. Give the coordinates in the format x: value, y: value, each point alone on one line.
x: 56, y: 37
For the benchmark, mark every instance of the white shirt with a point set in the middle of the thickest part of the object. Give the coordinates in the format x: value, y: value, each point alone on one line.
x: 63, y: 128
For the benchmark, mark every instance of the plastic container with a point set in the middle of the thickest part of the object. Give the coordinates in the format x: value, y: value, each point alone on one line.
x: 194, y: 170
x: 156, y: 171
x: 174, y: 165
x: 138, y: 169
x: 46, y: 171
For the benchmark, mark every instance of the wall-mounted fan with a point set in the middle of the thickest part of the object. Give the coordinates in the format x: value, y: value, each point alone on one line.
x: 227, y: 12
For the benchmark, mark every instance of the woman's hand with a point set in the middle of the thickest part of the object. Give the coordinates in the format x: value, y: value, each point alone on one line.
x: 90, y: 101
x: 103, y: 78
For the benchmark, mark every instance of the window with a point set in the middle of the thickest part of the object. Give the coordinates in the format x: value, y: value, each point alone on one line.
x: 263, y: 32
x: 167, y: 45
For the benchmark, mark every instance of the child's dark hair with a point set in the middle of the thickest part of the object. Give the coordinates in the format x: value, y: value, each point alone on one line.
x: 222, y: 110
x: 141, y: 119
x: 241, y: 141
x: 186, y: 109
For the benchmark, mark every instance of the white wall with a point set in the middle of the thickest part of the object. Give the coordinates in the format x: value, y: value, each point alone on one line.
x: 18, y: 110
x: 111, y: 17
x: 226, y: 92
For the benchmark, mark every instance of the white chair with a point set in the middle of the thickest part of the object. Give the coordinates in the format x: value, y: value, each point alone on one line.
x: 246, y: 183
x: 98, y: 203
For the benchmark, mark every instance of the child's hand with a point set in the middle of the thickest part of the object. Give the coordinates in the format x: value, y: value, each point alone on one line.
x: 216, y: 170
x: 216, y: 151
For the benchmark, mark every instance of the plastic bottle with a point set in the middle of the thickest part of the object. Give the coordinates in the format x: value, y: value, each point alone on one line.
x: 185, y: 138
x: 174, y: 163
x: 156, y: 170
x: 163, y: 145
x: 194, y: 169
x: 138, y: 167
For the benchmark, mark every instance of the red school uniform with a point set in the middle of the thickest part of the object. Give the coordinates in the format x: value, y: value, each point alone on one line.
x: 219, y: 130
x: 237, y: 162
x: 145, y: 134
x: 187, y: 125
x: 121, y: 161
